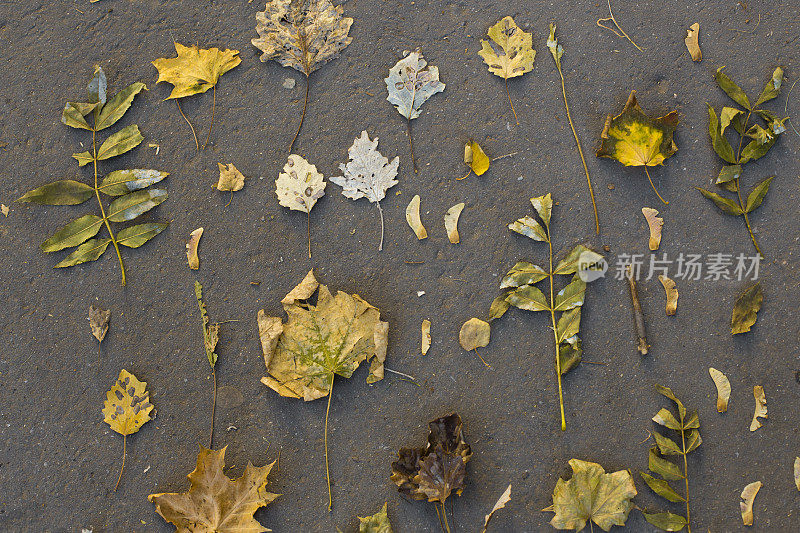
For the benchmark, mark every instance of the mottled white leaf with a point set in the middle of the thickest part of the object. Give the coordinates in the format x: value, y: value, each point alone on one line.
x: 411, y: 83
x: 299, y: 186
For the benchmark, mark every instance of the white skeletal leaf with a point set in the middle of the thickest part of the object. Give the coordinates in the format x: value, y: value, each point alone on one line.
x: 411, y: 82
x: 368, y: 174
x: 299, y: 186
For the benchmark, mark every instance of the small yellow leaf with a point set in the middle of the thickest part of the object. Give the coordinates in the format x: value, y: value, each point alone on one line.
x: 127, y: 406
x: 230, y: 179
x: 746, y: 505
x: 451, y: 222
x: 761, y: 407
x: 723, y: 389
x: 692, y: 41
x: 655, y: 223
x: 426, y: 336
x: 5, y: 210
x: 476, y: 158
x: 474, y: 333
x: 672, y: 294
x: 412, y: 217
x: 191, y: 248
x: 797, y: 472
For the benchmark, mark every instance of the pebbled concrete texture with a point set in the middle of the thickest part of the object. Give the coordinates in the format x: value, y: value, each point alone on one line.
x: 59, y: 461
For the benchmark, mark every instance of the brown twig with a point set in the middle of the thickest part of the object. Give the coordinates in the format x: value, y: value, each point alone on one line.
x: 213, y: 110
x: 621, y: 32
x: 638, y: 316
x: 190, y: 125
x: 303, y: 117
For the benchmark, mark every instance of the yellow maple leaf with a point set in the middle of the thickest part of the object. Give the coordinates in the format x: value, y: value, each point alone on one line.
x: 214, y: 502
x: 195, y: 70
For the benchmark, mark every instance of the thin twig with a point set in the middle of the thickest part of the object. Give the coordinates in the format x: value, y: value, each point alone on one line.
x: 653, y: 186
x: 327, y: 467
x: 786, y: 107
x: 213, y: 110
x: 400, y: 373
x: 213, y: 408
x: 411, y: 144
x: 102, y: 209
x: 621, y: 32
x: 512, y: 103
x: 190, y: 125
x: 308, y: 231
x: 482, y: 360
x: 638, y: 316
x: 750, y: 32
x: 380, y: 246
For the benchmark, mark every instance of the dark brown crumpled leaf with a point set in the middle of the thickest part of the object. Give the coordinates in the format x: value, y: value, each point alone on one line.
x: 438, y: 470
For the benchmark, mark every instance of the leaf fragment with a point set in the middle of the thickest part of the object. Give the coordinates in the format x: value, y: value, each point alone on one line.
x: 692, y: 41
x: 474, y: 334
x: 723, y: 389
x: 426, y: 336
x: 215, y: 502
x: 510, y: 52
x: 299, y: 186
x: 195, y: 70
x: 98, y: 322
x: 761, y: 407
x: 501, y: 503
x: 592, y: 495
x: 411, y: 82
x: 412, y: 217
x: 655, y: 223
x: 746, y: 505
x: 191, y: 248
x: 230, y: 179
x: 451, y: 222
x: 377, y: 523
x: 671, y: 290
x: 745, y: 310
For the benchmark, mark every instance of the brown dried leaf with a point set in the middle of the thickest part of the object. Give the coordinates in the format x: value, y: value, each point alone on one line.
x: 692, y: 41
x: 451, y: 222
x: 672, y: 294
x: 723, y: 389
x: 474, y: 334
x: 230, y: 179
x: 746, y: 505
x: 98, y: 321
x: 655, y: 224
x: 761, y: 407
x: 412, y: 217
x: 191, y: 248
x: 214, y: 502
x: 426, y: 336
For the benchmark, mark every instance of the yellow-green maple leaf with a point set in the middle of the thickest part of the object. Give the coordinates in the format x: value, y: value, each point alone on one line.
x: 515, y: 54
x: 195, y: 70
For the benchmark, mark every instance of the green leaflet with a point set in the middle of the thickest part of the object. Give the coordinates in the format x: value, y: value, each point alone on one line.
x: 97, y: 89
x: 134, y: 204
x: 718, y: 140
x: 499, y: 307
x: 666, y: 521
x: 570, y: 296
x: 773, y: 87
x: 73, y: 234
x: 662, y: 488
x: 74, y: 113
x: 115, y: 108
x: 83, y: 158
x: 88, y: 251
x: 579, y: 258
x: 529, y: 227
x: 61, y: 192
x: 666, y: 469
x: 523, y: 273
x: 120, y: 142
x: 731, y: 89
x: 727, y: 206
x: 746, y: 308
x: 528, y: 298
x: 757, y: 195
x: 121, y: 182
x: 665, y: 418
x: 135, y: 236
x: 729, y: 173
x: 569, y: 324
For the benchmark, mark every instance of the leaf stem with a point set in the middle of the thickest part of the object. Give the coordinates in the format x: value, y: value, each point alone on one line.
x: 738, y: 187
x: 303, y: 116
x: 550, y: 275
x: 512, y: 103
x: 614, y: 20
x: 124, y: 453
x: 197, y: 144
x: 308, y: 231
x: 444, y: 514
x: 580, y: 149
x: 380, y: 246
x: 686, y: 478
x: 653, y: 186
x: 213, y: 408
x: 411, y: 144
x: 327, y: 465
x: 102, y: 209
x: 213, y: 109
